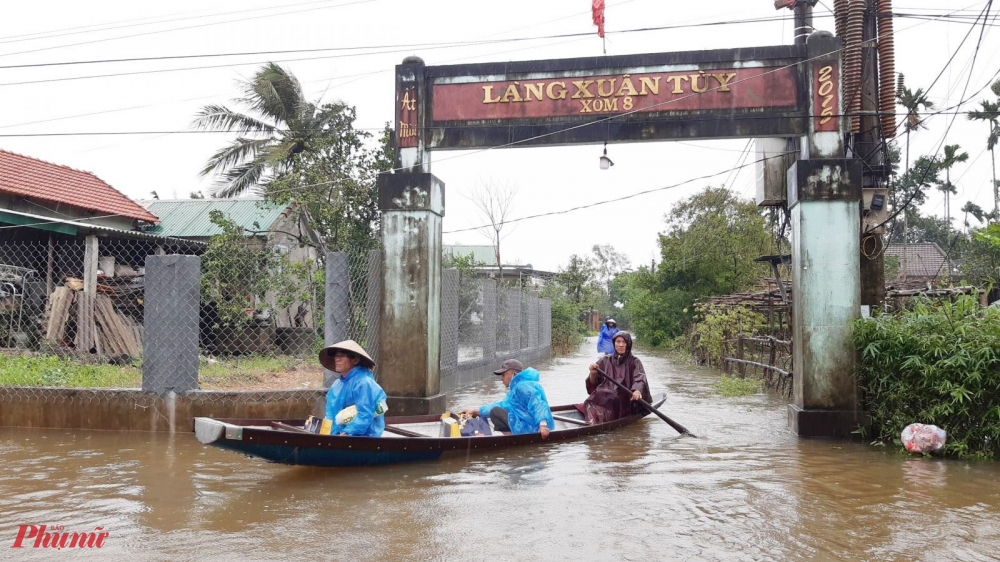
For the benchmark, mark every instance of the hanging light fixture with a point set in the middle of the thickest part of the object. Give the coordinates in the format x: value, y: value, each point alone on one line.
x: 605, y: 161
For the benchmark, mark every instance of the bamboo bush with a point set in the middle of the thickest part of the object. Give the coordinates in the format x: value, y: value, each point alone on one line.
x: 936, y: 363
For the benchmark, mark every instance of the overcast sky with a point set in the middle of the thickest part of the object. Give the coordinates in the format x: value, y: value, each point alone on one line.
x: 548, y: 179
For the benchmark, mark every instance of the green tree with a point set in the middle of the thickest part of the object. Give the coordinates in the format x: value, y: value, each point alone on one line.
x: 656, y: 311
x: 567, y: 328
x: 708, y: 249
x: 976, y: 211
x: 952, y: 156
x: 607, y: 263
x: 990, y: 235
x: 711, y: 242
x: 576, y: 278
x: 990, y: 113
x: 925, y: 173
x: 238, y: 274
x: 911, y: 191
x: 278, y: 123
x: 913, y: 102
x: 335, y: 182
x: 981, y: 259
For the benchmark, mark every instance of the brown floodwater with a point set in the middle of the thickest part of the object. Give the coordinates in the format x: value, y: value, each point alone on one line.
x: 746, y: 489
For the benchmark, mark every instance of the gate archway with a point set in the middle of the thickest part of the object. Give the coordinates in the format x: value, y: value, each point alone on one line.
x: 787, y: 91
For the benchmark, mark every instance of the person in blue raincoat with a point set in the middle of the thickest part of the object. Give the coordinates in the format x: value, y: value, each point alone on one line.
x: 356, y: 387
x: 524, y: 409
x: 605, y: 342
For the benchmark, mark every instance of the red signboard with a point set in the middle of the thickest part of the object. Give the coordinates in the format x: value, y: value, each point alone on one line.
x: 826, y: 97
x: 406, y: 122
x: 713, y: 89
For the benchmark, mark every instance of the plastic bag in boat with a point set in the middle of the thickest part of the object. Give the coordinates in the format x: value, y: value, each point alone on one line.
x: 462, y: 425
x: 921, y: 438
x: 346, y: 415
x: 476, y: 427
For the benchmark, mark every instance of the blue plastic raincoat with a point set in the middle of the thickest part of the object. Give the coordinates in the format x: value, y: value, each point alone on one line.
x: 525, y: 403
x: 356, y: 388
x: 605, y: 342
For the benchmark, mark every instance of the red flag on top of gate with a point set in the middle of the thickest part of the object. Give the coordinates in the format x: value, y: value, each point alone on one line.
x: 599, y: 17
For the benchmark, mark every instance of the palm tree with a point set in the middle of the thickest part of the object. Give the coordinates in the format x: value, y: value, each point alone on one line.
x: 279, y: 124
x: 951, y: 157
x: 912, y: 102
x: 991, y: 114
x: 976, y: 211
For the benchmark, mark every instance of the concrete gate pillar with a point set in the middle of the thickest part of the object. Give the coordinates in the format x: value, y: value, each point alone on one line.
x: 824, y: 194
x: 412, y: 207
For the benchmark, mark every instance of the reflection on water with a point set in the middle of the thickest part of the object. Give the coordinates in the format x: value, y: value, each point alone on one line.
x: 745, y: 489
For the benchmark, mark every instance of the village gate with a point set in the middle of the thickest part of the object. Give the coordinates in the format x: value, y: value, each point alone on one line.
x: 788, y: 91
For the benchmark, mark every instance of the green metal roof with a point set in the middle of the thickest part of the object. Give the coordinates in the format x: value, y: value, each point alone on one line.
x: 482, y: 254
x: 188, y: 218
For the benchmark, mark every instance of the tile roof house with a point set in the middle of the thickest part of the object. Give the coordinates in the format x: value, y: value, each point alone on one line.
x: 64, y: 230
x: 71, y: 200
x: 924, y: 260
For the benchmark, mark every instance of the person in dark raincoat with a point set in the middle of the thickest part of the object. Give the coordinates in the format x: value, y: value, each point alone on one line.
x: 607, y: 402
x: 604, y: 341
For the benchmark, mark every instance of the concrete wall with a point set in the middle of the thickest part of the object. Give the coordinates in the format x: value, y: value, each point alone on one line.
x: 475, y: 371
x: 134, y: 410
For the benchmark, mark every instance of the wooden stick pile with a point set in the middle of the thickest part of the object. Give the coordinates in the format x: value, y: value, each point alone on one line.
x: 108, y: 333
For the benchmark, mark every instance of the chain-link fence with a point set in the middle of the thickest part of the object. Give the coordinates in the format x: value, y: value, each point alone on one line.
x: 71, y: 309
x: 242, y: 320
x: 154, y: 314
x: 483, y: 323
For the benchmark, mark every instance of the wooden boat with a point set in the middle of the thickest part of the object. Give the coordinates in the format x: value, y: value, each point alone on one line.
x: 406, y: 439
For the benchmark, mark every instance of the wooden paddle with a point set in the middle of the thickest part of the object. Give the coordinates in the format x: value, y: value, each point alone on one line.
x: 680, y: 428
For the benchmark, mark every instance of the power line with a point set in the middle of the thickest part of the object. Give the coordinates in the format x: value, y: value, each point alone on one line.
x: 620, y: 198
x: 182, y: 28
x: 490, y: 148
x: 327, y: 79
x: 599, y: 121
x: 666, y: 187
x: 743, y: 156
x: 442, y: 127
x: 944, y: 137
x: 394, y: 49
x: 309, y: 82
x: 456, y: 43
x: 951, y: 247
x: 76, y: 30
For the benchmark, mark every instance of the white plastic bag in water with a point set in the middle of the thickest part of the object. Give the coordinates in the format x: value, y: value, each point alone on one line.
x: 921, y: 438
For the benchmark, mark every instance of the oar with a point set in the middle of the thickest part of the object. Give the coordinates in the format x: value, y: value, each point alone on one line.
x: 680, y: 428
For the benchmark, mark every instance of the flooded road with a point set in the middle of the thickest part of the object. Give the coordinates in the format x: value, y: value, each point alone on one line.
x: 746, y: 489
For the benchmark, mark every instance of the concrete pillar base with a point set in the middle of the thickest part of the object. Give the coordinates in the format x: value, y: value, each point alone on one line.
x: 825, y: 423
x: 416, y: 406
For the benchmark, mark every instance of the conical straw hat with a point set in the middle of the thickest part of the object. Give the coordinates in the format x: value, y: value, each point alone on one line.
x: 326, y: 354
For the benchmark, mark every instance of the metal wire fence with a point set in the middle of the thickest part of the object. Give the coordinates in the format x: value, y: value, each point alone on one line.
x: 483, y: 322
x: 106, y: 313
x: 241, y: 319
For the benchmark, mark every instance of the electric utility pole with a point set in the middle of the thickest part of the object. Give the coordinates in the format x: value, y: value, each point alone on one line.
x: 868, y: 146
